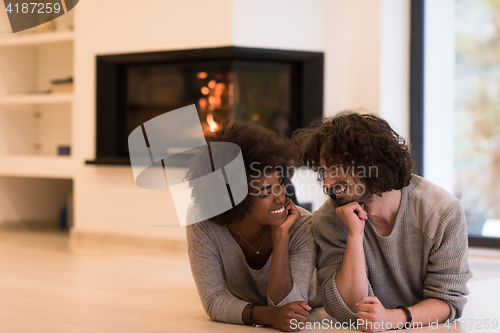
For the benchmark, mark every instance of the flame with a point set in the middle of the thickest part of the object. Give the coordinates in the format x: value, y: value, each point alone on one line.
x: 205, y: 90
x: 211, y: 122
x: 203, y: 103
x: 202, y: 75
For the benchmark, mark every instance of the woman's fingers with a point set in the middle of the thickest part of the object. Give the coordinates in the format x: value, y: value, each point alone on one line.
x: 298, y: 309
x: 290, y: 207
x: 304, y: 305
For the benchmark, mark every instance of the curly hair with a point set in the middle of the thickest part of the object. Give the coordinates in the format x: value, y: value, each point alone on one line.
x: 362, y: 142
x: 262, y: 150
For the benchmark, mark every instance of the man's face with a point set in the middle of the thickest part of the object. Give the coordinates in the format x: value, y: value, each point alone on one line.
x: 342, y: 185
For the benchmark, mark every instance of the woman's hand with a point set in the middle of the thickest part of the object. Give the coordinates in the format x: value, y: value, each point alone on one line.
x: 288, y: 317
x: 292, y: 215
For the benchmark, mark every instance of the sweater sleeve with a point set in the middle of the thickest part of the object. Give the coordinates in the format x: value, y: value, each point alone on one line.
x: 207, y: 270
x: 302, y: 264
x: 448, y: 269
x: 331, y: 236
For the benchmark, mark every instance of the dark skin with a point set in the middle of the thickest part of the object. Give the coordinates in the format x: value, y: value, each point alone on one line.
x: 268, y: 225
x: 254, y: 260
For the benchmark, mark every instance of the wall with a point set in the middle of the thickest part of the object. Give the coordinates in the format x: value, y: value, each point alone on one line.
x: 348, y: 31
x: 394, y: 88
x: 106, y: 198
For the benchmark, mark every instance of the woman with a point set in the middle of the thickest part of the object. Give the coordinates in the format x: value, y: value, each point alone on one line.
x: 254, y: 264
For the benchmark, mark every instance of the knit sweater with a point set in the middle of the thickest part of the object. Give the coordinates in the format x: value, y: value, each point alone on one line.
x: 425, y: 256
x: 225, y: 282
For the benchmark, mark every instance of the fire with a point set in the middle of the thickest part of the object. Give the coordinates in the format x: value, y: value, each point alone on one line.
x: 202, y: 75
x: 205, y: 90
x: 211, y: 122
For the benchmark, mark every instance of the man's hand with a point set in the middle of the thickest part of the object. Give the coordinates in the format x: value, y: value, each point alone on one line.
x: 353, y: 216
x: 376, y: 318
x: 298, y: 310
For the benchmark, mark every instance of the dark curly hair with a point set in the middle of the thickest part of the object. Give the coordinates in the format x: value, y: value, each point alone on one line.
x: 260, y: 148
x: 359, y: 141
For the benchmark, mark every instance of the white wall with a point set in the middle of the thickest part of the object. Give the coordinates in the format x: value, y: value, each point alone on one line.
x: 354, y: 41
x: 348, y: 31
x: 394, y: 64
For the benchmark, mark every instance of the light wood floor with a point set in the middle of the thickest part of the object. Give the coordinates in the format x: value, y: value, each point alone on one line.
x: 46, y: 285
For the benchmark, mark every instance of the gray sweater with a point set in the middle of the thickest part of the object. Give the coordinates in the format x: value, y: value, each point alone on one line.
x: 425, y: 256
x: 225, y: 282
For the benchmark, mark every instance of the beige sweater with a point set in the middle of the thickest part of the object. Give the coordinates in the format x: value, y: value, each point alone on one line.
x: 425, y: 256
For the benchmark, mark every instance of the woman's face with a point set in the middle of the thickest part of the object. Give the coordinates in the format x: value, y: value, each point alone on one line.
x: 268, y: 199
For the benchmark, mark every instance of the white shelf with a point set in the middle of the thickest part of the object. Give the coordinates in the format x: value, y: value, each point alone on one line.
x: 36, y: 99
x: 42, y: 166
x: 37, y: 39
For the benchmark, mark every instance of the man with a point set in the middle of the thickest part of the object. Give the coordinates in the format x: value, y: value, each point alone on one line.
x: 392, y: 245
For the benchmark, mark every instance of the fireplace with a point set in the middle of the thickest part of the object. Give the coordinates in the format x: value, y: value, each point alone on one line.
x: 278, y: 89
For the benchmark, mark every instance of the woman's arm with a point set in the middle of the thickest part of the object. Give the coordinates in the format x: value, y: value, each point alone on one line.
x: 281, y: 317
x: 207, y: 271
x: 300, y: 252
x: 206, y: 267
x: 280, y: 274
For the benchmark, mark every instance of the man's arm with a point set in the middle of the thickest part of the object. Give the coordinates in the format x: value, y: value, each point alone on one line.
x: 374, y: 317
x: 429, y: 310
x: 445, y: 284
x: 351, y: 279
x: 331, y: 235
x: 448, y: 269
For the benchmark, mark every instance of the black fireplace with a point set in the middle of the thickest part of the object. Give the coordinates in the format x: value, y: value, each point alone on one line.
x: 278, y: 89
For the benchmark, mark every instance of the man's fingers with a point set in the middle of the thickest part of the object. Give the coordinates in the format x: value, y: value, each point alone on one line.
x: 366, y: 307
x: 369, y: 300
x: 360, y: 211
x: 355, y: 208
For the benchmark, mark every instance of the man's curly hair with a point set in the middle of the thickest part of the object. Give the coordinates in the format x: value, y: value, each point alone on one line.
x: 260, y: 148
x: 359, y: 141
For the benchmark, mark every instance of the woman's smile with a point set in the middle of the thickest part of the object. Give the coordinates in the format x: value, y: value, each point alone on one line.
x: 279, y: 211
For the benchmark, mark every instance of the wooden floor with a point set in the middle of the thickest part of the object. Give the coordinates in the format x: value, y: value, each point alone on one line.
x: 46, y: 285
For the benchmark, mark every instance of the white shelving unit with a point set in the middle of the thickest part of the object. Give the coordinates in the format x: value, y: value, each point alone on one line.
x: 36, y: 99
x: 34, y: 125
x: 38, y: 166
x: 36, y: 39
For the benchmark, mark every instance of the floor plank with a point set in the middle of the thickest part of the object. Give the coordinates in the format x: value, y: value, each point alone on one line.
x: 48, y: 285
